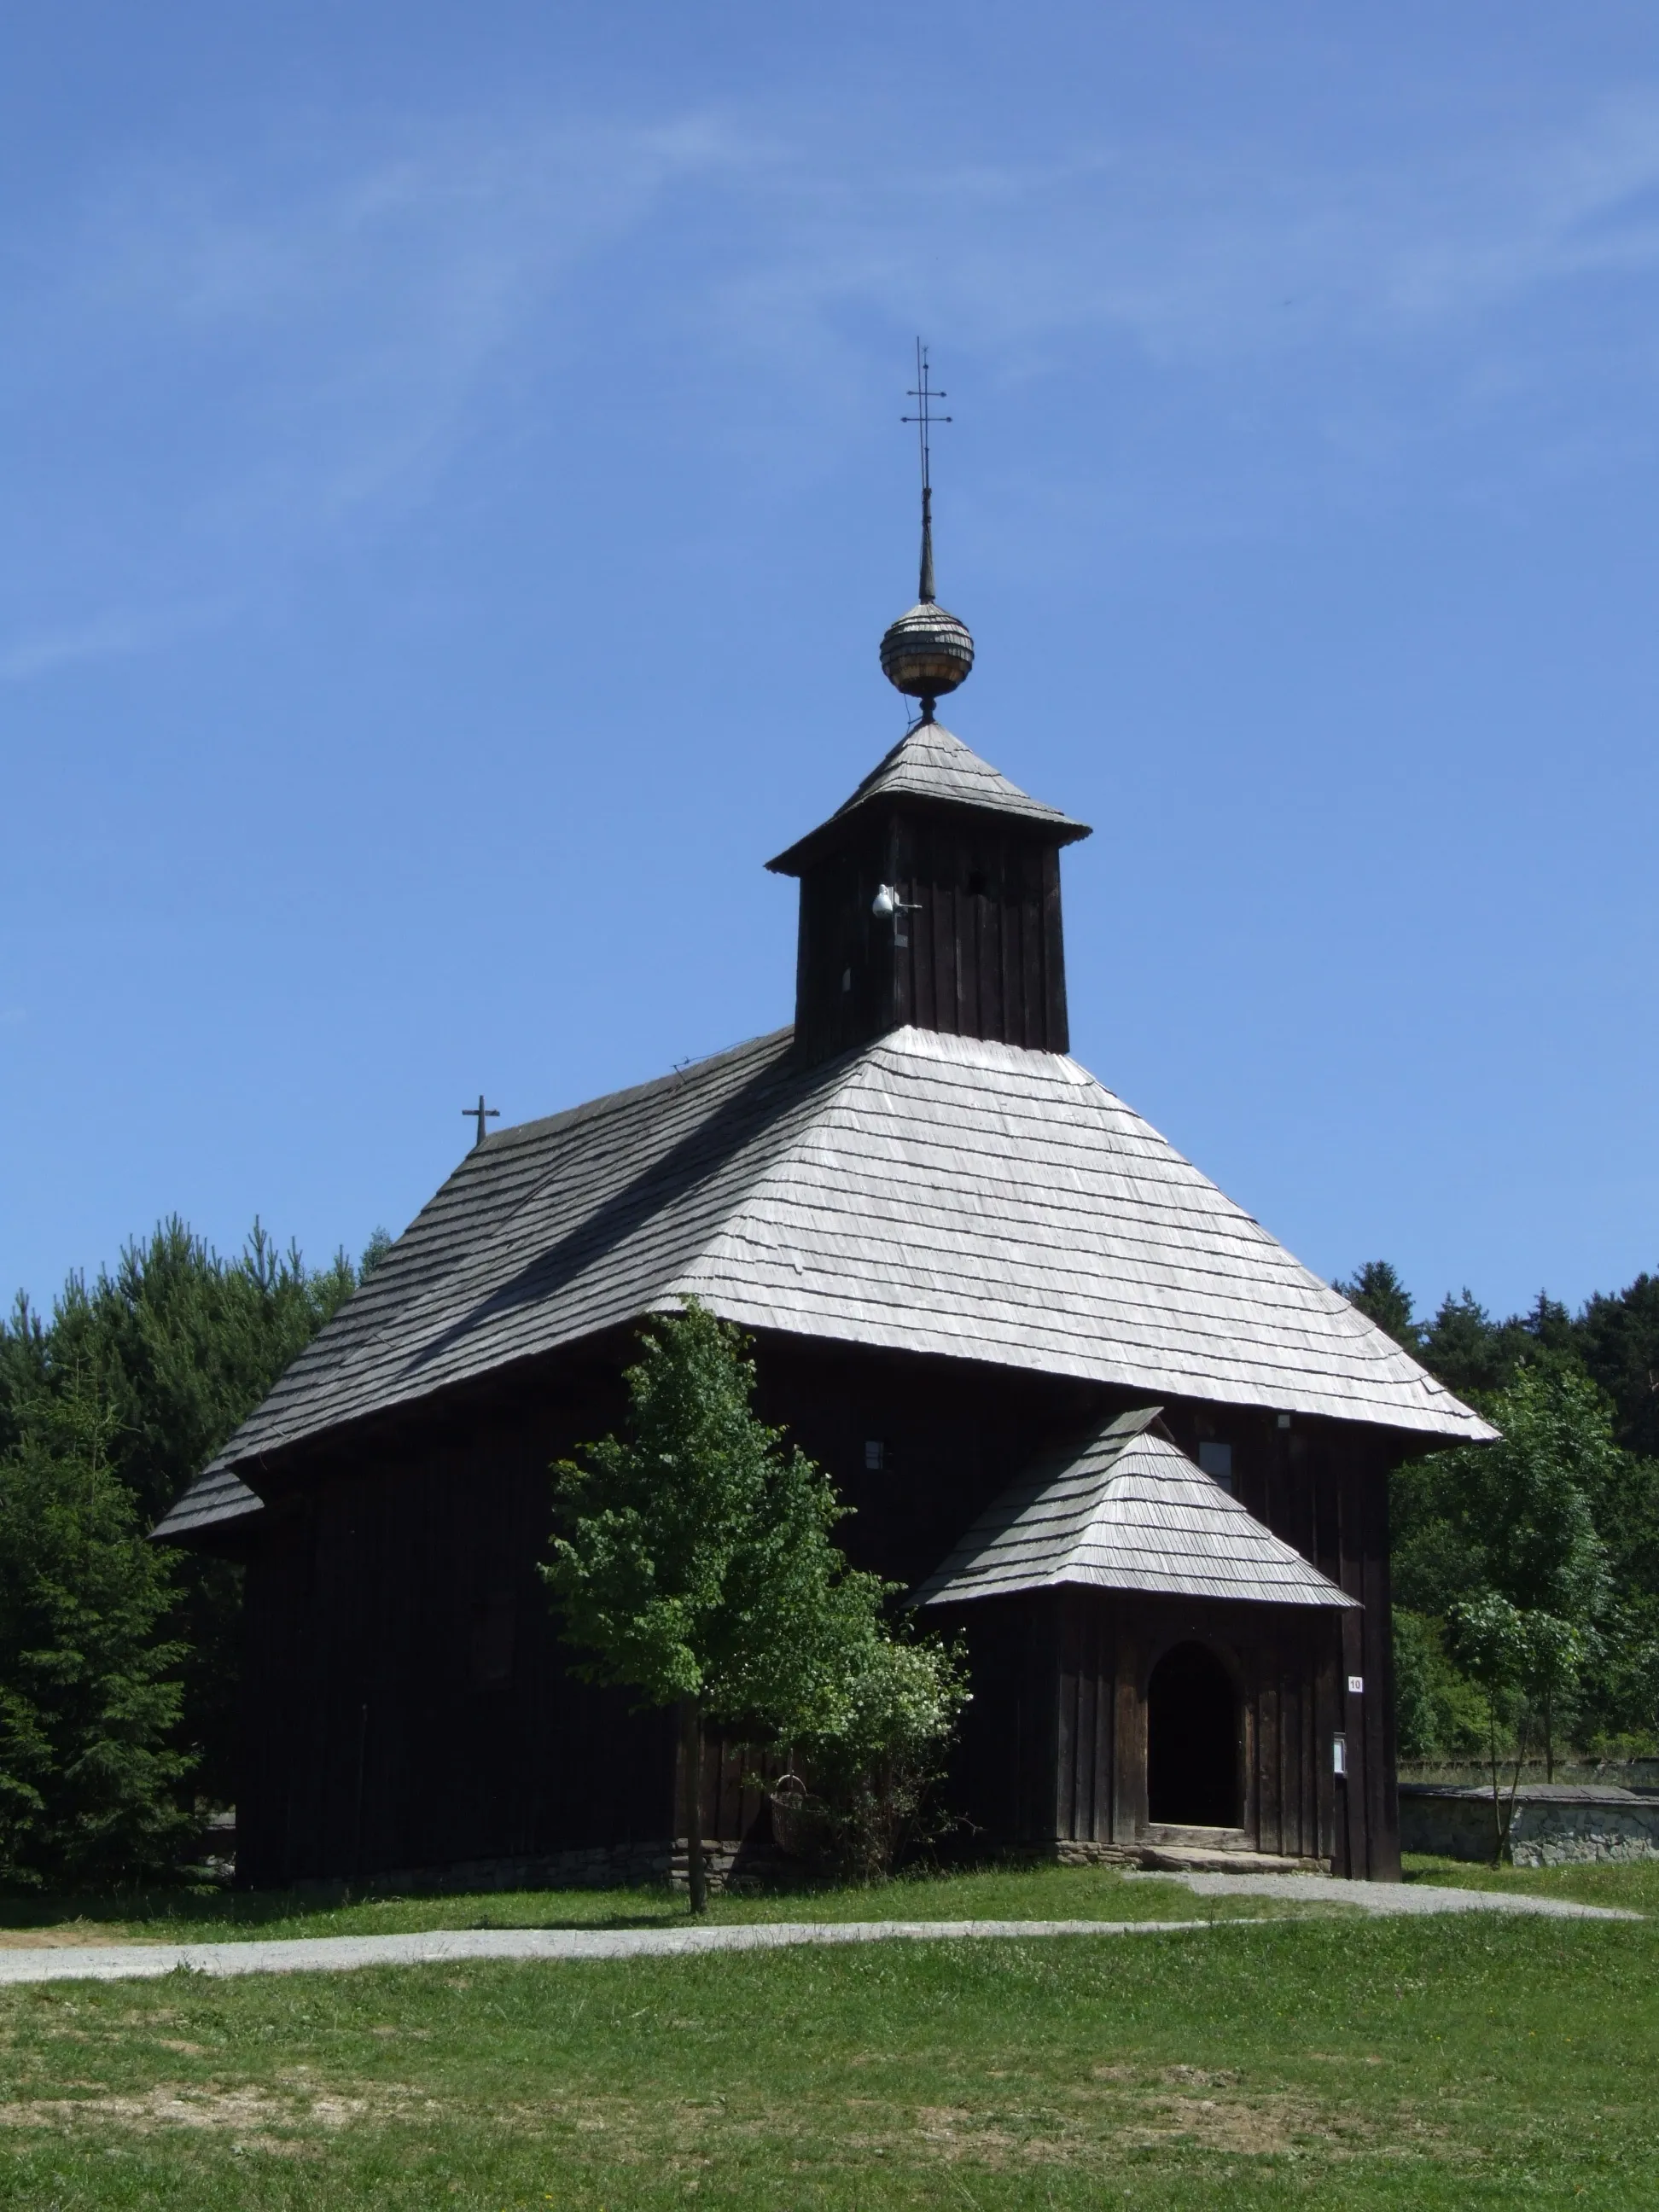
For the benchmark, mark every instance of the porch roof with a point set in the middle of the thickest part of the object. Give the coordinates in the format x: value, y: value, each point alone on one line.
x: 1128, y: 1511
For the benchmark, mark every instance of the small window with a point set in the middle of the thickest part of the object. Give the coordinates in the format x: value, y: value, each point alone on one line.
x: 846, y: 979
x: 1339, y: 1755
x: 979, y: 885
x: 1217, y: 1460
x: 875, y: 1457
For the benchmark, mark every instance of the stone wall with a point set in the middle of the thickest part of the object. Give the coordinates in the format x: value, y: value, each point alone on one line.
x: 1558, y: 1825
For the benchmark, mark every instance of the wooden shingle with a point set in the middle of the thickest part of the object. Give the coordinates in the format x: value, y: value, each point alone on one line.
x: 1126, y: 1510
x: 925, y: 1192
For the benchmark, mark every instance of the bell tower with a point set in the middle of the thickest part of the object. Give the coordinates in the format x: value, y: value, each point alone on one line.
x: 933, y: 895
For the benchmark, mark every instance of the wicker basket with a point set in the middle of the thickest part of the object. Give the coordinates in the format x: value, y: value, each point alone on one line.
x: 798, y: 1818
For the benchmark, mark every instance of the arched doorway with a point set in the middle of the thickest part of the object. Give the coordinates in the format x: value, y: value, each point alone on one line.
x: 1191, y: 1742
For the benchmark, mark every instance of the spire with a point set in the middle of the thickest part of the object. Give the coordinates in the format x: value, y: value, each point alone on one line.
x: 927, y: 651
x: 924, y: 395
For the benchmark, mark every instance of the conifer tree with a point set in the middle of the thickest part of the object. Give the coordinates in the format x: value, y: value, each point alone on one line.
x: 89, y: 1681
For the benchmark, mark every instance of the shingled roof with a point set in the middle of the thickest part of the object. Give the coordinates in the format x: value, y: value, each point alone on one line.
x: 925, y: 1192
x: 931, y: 762
x: 1128, y: 1511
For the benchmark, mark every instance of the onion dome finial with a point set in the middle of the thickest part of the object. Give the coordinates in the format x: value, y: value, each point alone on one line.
x: 927, y: 652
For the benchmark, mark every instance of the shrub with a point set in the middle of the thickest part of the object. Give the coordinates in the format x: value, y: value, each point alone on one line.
x: 876, y: 1773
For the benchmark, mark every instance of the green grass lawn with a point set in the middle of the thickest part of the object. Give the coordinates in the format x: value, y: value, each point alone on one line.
x: 1635, y: 1887
x: 207, y: 1915
x: 1446, y: 2063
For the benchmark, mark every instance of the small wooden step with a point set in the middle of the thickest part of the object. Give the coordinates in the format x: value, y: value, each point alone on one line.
x: 1179, y: 1858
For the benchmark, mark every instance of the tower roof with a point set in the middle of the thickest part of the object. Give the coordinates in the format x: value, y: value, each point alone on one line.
x: 930, y: 762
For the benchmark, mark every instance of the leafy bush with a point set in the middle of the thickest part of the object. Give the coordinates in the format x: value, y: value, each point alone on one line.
x: 876, y: 1771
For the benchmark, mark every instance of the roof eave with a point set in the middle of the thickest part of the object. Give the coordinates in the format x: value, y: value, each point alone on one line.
x: 1046, y: 830
x: 1333, y: 1601
x: 171, y: 1529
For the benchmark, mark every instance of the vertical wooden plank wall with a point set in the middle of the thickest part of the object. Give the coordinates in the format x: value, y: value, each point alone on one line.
x: 983, y: 955
x: 410, y: 1703
x: 1323, y: 1487
x: 1107, y: 1649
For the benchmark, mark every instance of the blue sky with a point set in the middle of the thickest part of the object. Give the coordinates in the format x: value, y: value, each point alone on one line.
x: 455, y: 489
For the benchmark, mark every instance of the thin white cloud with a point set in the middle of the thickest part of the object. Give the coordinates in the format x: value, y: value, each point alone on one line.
x: 344, y: 319
x: 1199, y: 256
x: 112, y: 634
x: 336, y: 328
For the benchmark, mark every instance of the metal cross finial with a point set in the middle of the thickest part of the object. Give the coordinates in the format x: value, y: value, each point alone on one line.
x: 481, y: 1113
x: 924, y: 421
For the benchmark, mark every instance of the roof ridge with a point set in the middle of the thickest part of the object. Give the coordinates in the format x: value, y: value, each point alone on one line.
x: 608, y: 1100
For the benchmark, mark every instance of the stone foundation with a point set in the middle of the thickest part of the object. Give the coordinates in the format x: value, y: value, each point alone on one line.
x: 614, y: 1866
x: 1169, y: 1850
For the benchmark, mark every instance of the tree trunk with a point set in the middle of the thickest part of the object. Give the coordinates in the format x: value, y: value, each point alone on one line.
x: 691, y: 1762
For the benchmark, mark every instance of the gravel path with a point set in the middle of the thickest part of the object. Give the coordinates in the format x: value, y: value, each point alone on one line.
x: 110, y: 1962
x: 117, y: 1961
x: 1386, y: 1896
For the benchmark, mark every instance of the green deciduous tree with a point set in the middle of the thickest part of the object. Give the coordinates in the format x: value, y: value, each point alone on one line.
x: 90, y: 1687
x: 1438, y: 1712
x: 1513, y: 1516
x: 1519, y: 1657
x: 1489, y: 1637
x: 1500, y: 1539
x: 694, y: 1564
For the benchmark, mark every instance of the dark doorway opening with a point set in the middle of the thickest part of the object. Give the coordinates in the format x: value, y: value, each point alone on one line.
x: 1191, y: 1742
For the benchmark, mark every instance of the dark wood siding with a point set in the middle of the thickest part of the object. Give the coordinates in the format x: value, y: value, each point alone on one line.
x: 1054, y: 1747
x: 981, y: 955
x: 410, y: 1703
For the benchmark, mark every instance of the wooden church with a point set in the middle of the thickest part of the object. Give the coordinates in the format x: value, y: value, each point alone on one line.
x: 1086, y: 1410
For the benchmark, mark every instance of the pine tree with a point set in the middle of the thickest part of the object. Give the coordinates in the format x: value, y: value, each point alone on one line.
x: 90, y: 1687
x: 1378, y: 1293
x: 179, y: 1347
